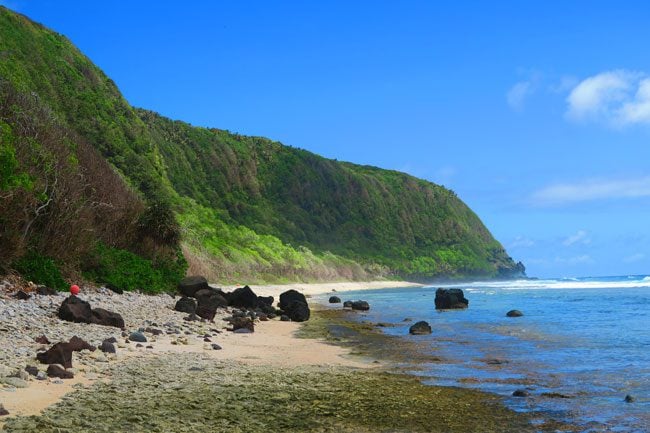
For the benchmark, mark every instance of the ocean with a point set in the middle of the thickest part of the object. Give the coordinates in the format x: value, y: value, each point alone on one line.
x: 587, y: 340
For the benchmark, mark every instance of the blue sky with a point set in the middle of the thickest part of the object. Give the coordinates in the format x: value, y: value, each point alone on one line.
x: 536, y: 113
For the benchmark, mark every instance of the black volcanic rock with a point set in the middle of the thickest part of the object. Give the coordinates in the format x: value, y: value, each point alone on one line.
x: 448, y: 299
x: 188, y: 286
x: 243, y: 297
x: 420, y: 328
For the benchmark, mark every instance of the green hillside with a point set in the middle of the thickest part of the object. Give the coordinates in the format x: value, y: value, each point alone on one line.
x: 239, y: 208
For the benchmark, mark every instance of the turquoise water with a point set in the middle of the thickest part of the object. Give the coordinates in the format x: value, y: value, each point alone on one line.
x: 585, y: 338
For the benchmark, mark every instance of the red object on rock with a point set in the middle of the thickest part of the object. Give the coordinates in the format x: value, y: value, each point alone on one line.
x: 74, y: 289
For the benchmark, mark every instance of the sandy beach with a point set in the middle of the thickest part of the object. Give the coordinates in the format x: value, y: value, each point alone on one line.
x: 326, y: 383
x: 313, y: 289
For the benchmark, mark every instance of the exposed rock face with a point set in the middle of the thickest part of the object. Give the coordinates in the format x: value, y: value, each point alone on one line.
x: 360, y: 305
x: 289, y: 296
x: 243, y: 297
x: 56, y: 371
x: 298, y: 311
x: 76, y: 310
x: 420, y: 328
x: 514, y: 313
x: 335, y: 300
x: 185, y: 305
x: 188, y: 286
x: 447, y: 299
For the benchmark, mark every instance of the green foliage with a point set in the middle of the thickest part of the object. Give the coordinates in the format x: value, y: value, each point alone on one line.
x: 41, y: 270
x: 10, y: 178
x: 248, y: 207
x: 131, y: 272
x: 159, y: 223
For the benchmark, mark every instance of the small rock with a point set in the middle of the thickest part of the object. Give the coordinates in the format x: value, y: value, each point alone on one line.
x: 514, y: 313
x: 16, y: 382
x: 420, y: 328
x: 139, y: 345
x: 55, y: 370
x: 149, y: 347
x: 138, y: 337
x: 284, y: 318
x: 215, y: 346
x: 207, y: 340
x: 42, y: 340
x: 521, y: 393
x: 41, y: 375
x: 334, y: 300
x: 107, y: 347
x: 242, y: 331
x: 629, y: 399
x: 3, y: 411
x: 347, y: 304
x: 21, y: 295
x: 33, y: 371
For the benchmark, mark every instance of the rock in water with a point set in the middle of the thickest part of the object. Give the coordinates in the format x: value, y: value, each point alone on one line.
x: 243, y: 297
x: 520, y: 393
x: 289, y: 296
x: 56, y: 371
x: 514, y: 313
x: 188, y: 286
x: 298, y: 311
x: 347, y: 304
x: 360, y: 305
x: 447, y: 299
x: 420, y: 328
x: 629, y: 399
x: 335, y: 300
x: 186, y: 305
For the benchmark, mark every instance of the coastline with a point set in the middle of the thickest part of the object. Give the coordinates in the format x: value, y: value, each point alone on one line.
x: 314, y: 289
x: 272, y: 355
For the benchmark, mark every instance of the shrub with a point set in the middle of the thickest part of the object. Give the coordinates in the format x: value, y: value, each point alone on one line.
x: 41, y: 270
x: 130, y: 272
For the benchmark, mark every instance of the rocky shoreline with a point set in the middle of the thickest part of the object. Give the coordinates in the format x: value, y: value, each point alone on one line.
x: 177, y: 381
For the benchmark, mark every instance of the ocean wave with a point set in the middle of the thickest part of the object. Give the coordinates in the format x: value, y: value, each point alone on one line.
x: 565, y: 283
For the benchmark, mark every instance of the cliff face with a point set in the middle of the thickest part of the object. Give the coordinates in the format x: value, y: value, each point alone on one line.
x: 248, y: 206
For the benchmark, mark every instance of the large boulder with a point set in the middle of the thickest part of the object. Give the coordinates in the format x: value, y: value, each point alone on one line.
x: 107, y: 318
x: 243, y: 297
x: 335, y: 300
x: 185, y: 305
x: 447, y: 299
x: 360, y: 305
x: 208, y: 300
x: 265, y: 300
x: 74, y: 309
x: 289, y: 296
x: 420, y: 328
x: 60, y: 353
x: 297, y: 311
x: 188, y: 286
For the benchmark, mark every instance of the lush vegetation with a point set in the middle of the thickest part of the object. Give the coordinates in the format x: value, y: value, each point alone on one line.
x: 91, y: 180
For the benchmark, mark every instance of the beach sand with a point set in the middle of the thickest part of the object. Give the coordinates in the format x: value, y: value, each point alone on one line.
x: 313, y: 289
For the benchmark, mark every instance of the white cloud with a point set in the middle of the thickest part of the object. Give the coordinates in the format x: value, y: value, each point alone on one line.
x: 521, y: 242
x: 617, y: 98
x: 576, y: 260
x: 518, y: 93
x: 591, y: 190
x: 581, y: 237
x: 634, y: 258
